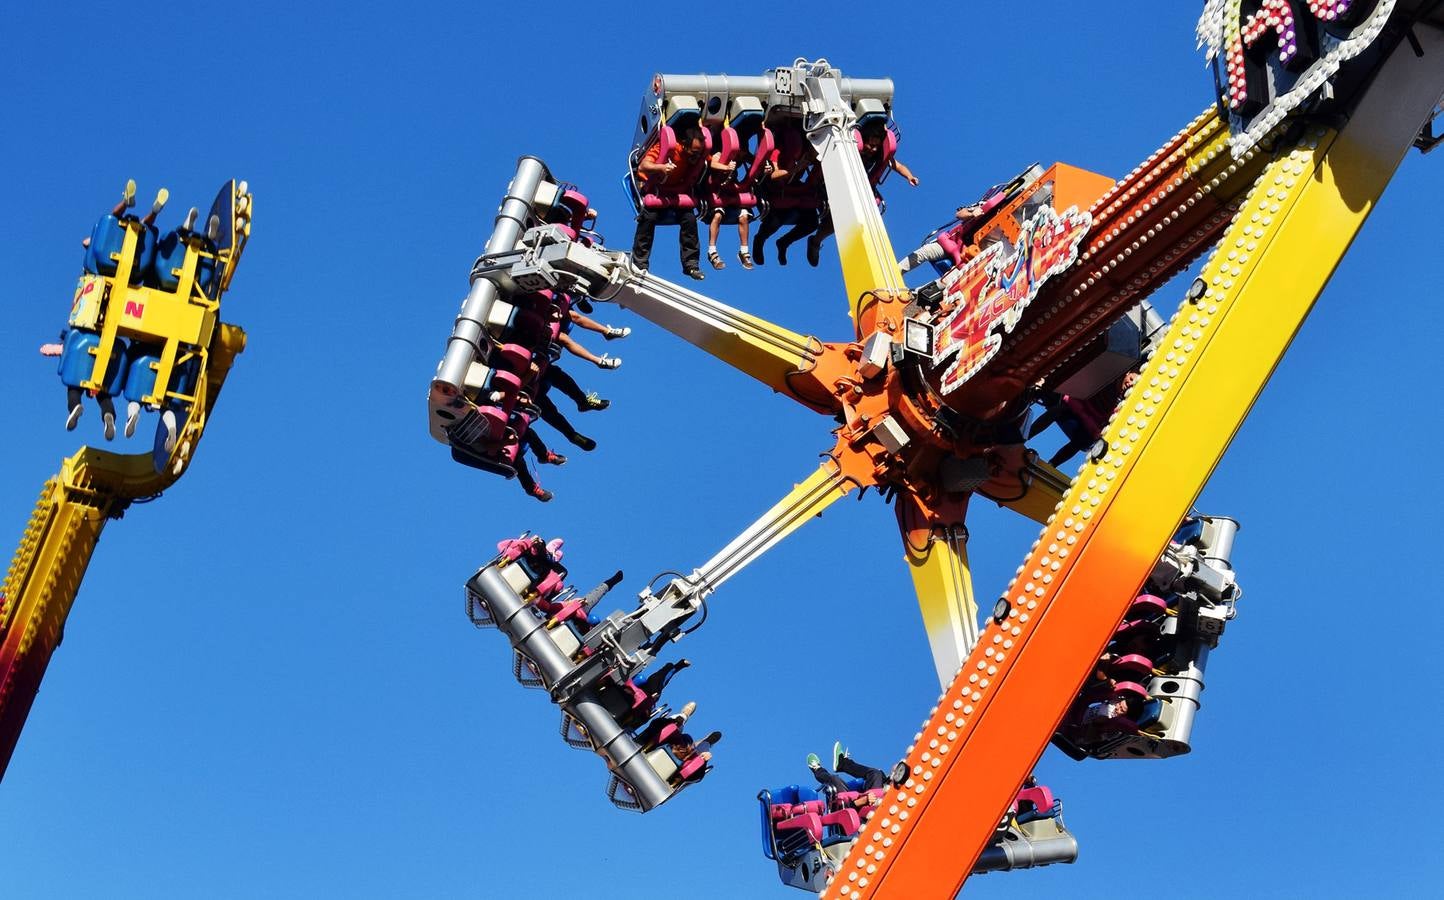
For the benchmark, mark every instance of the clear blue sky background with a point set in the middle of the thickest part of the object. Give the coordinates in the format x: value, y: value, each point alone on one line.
x: 268, y: 686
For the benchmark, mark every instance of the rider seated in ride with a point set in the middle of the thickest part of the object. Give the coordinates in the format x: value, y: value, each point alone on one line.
x: 685, y: 749
x: 73, y: 352
x: 872, y: 779
x: 792, y: 183
x: 877, y: 148
x: 727, y: 195
x: 671, y: 178
x: 660, y: 729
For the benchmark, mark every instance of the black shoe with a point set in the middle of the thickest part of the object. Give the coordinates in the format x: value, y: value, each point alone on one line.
x: 541, y: 494
x: 814, y: 252
x: 899, y: 774
x: 583, y: 441
x: 592, y: 402
x: 553, y: 459
x: 758, y: 258
x: 782, y: 253
x: 614, y: 580
x: 695, y: 274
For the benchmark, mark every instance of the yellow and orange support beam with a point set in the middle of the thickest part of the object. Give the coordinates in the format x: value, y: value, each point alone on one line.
x: 998, y: 713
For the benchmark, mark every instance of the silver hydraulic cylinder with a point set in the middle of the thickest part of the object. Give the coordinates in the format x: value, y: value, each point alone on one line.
x: 467, y: 336
x: 1026, y: 853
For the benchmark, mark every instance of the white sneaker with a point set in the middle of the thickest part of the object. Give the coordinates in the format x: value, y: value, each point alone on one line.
x: 167, y: 421
x: 132, y: 416
x: 108, y: 420
x: 74, y: 418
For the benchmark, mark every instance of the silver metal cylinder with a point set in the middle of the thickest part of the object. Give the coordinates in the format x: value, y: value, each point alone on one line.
x: 510, y: 222
x: 1025, y: 853
x: 526, y: 632
x: 528, y: 635
x: 625, y: 757
x: 1221, y: 533
x: 763, y: 86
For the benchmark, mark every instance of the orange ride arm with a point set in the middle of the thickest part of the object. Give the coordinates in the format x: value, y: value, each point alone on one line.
x: 991, y: 724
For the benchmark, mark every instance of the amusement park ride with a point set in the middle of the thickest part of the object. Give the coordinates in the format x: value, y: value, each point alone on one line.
x: 145, y: 323
x: 1099, y: 643
x: 1037, y: 293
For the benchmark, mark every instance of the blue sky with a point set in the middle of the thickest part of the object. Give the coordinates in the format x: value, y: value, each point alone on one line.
x: 268, y: 686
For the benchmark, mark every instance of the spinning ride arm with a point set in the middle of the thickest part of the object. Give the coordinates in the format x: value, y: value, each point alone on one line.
x: 803, y: 503
x: 869, y: 266
x: 995, y: 718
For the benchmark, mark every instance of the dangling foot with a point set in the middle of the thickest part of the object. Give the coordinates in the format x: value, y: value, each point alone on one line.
x: 782, y: 253
x: 541, y: 494
x: 758, y: 256
x: 108, y: 423
x: 612, y: 333
x: 695, y: 274
x: 715, y: 258
x: 744, y: 257
x: 127, y: 199
x: 161, y: 197
x: 74, y: 417
x: 838, y: 752
x: 583, y: 441
x: 167, y: 421
x: 181, y: 457
x: 553, y: 459
x: 609, y: 362
x: 813, y: 762
x: 591, y: 402
x: 899, y: 774
x: 687, y: 709
x: 132, y: 416
x: 814, y: 252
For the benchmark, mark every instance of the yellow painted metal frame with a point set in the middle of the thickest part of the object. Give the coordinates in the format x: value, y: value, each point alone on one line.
x: 995, y: 718
x: 185, y: 316
x: 94, y: 485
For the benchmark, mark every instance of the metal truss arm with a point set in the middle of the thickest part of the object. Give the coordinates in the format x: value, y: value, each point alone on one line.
x: 803, y: 503
x: 778, y: 357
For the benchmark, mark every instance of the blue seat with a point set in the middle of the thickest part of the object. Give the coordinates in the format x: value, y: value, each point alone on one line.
x: 108, y: 237
x: 170, y: 255
x: 1150, y: 713
x: 140, y: 362
x: 77, y: 364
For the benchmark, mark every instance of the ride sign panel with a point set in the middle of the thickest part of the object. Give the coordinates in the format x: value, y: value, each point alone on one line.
x: 988, y: 294
x: 1272, y: 56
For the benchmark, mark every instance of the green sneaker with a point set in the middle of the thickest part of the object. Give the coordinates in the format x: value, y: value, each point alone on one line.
x: 838, y: 752
x: 812, y: 761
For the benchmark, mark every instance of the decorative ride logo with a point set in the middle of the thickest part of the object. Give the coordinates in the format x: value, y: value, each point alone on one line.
x: 134, y: 309
x: 989, y: 290
x: 1276, y: 54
